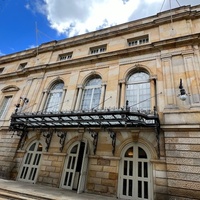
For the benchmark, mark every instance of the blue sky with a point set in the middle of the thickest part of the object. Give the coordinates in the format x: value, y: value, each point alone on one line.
x: 59, y: 19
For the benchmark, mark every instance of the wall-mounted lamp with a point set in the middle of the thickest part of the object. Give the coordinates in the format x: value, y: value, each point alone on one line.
x: 182, y: 95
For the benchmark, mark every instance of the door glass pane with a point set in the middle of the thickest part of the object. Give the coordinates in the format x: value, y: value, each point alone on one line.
x: 38, y: 160
x: 124, y: 186
x: 139, y: 169
x: 69, y: 162
x: 29, y: 158
x: 141, y: 153
x: 39, y: 147
x: 130, y: 168
x: 34, y: 173
x: 32, y: 147
x: 146, y: 190
x: 73, y: 162
x: 35, y: 159
x: 129, y: 152
x: 74, y: 149
x: 145, y: 169
x: 24, y: 172
x: 130, y: 189
x: 70, y: 179
x: 140, y: 189
x: 66, y: 178
x: 125, y: 167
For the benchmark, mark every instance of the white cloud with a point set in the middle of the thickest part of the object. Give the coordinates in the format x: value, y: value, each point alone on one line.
x: 77, y: 17
x: 73, y: 17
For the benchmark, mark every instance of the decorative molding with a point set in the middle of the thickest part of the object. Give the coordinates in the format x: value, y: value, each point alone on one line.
x: 48, y: 136
x: 23, y: 137
x: 95, y: 140
x: 62, y: 136
x: 113, y: 137
x: 10, y: 88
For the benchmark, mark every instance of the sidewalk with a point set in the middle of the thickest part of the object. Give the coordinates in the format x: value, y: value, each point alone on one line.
x: 48, y: 192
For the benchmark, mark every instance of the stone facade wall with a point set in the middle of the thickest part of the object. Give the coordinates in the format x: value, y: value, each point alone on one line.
x: 103, y: 175
x: 51, y: 169
x: 8, y: 145
x: 183, y: 164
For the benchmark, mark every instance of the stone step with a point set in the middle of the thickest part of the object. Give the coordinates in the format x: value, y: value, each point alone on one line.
x: 13, y: 195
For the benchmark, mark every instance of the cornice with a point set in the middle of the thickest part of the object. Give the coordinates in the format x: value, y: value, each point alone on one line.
x: 129, y: 51
x: 185, y: 12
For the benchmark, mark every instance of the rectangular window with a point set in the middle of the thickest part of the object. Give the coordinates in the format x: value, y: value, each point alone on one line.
x: 22, y: 66
x: 4, y: 106
x: 138, y: 41
x: 66, y: 56
x: 97, y: 50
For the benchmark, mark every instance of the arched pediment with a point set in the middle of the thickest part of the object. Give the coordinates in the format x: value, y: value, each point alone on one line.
x: 10, y: 88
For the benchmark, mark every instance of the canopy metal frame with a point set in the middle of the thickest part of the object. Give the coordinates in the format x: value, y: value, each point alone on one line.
x: 107, y: 119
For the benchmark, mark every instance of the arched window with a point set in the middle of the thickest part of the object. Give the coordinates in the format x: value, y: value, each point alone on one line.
x: 91, y: 94
x: 138, y: 91
x: 54, y: 97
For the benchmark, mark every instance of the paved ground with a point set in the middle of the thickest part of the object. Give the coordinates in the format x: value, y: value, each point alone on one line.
x: 48, y: 192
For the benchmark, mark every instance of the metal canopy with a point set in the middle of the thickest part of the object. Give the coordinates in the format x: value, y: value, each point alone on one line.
x: 85, y: 119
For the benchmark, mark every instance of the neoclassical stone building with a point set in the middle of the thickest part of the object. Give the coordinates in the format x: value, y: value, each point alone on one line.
x: 114, y: 112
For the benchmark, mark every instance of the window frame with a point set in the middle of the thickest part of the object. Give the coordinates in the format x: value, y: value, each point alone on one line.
x: 138, y: 41
x: 22, y: 66
x: 98, y: 49
x: 4, y: 110
x: 93, y: 88
x: 65, y: 56
x: 143, y: 97
x: 50, y: 98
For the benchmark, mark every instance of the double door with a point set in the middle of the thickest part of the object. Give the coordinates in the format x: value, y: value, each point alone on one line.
x: 75, y: 169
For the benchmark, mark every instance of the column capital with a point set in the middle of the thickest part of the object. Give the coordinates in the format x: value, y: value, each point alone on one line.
x: 122, y: 81
x: 80, y: 86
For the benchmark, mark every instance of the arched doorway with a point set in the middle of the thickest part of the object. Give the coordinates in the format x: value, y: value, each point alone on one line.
x: 30, y: 165
x: 75, y: 168
x: 135, y: 173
